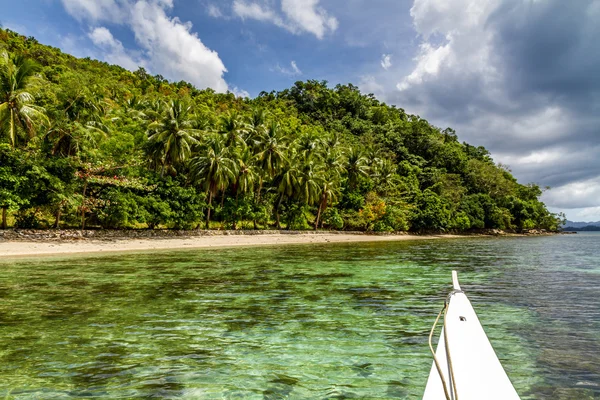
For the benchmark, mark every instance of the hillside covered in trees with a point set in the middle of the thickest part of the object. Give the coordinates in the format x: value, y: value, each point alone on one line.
x: 86, y: 144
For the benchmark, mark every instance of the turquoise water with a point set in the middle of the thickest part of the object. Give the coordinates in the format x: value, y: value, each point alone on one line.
x: 304, y: 321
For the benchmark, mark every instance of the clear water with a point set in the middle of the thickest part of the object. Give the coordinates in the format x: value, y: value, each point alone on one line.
x: 297, y: 322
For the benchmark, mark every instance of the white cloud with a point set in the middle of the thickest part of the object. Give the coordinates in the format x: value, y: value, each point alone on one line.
x: 308, y: 16
x: 168, y: 45
x: 515, y: 77
x: 292, y: 71
x: 239, y: 92
x: 298, y: 16
x: 214, y: 11
x: 581, y: 194
x: 386, y: 61
x: 98, y: 10
x: 250, y: 10
x: 369, y: 84
x: 174, y: 50
x: 114, y: 51
x: 428, y: 61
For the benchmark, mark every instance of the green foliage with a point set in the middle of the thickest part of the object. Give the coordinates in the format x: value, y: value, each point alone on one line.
x: 83, y: 142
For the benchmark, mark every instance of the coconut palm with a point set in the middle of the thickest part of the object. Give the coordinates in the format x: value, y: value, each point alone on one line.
x: 68, y: 138
x: 333, y: 169
x: 286, y: 183
x: 213, y: 168
x: 247, y: 174
x: 233, y: 128
x: 78, y: 122
x: 356, y: 166
x: 330, y: 191
x: 271, y: 153
x: 172, y: 136
x: 311, y: 176
x: 271, y: 149
x: 256, y: 125
x: 18, y: 114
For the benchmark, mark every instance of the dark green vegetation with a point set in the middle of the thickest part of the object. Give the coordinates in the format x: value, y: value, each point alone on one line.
x: 86, y: 144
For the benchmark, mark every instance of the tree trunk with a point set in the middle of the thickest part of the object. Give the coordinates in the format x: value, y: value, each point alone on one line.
x: 210, y: 195
x: 57, y: 221
x: 323, y: 212
x: 223, y: 198
x: 318, y: 216
x: 277, y: 212
x: 234, y: 227
x: 260, y: 185
x: 83, y: 207
x: 4, y: 217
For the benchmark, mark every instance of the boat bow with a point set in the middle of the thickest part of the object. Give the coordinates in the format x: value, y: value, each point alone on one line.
x: 466, y: 362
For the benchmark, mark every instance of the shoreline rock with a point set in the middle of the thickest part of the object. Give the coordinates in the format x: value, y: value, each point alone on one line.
x: 119, y: 234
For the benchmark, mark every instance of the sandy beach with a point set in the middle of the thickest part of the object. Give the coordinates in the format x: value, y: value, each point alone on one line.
x: 41, y: 248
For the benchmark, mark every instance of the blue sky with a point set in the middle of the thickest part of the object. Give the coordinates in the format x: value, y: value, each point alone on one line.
x: 521, y: 77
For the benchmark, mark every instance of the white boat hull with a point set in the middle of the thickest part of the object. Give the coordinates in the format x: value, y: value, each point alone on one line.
x: 477, y: 372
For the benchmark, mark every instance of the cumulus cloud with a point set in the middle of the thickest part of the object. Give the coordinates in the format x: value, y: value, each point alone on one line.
x: 174, y: 50
x: 293, y: 70
x: 307, y: 15
x: 214, y: 11
x: 98, y: 10
x: 297, y: 16
x: 517, y: 77
x: 250, y: 10
x: 114, y: 51
x: 386, y: 61
x: 239, y: 92
x: 168, y: 45
x: 369, y: 84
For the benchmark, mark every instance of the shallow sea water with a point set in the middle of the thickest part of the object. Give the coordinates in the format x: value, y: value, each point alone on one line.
x: 296, y: 322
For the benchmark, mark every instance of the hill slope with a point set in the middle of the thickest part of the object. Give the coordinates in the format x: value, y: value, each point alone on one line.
x: 96, y: 145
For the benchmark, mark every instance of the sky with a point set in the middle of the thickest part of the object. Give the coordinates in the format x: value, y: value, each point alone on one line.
x: 520, y: 77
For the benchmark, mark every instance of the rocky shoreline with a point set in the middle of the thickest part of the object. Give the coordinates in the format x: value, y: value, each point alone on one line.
x: 110, y: 235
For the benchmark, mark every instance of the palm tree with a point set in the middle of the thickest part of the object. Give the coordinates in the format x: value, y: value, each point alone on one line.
x: 330, y: 191
x: 17, y: 111
x: 356, y: 166
x: 308, y: 144
x: 213, y: 168
x: 256, y: 125
x: 172, y: 136
x: 233, y: 128
x: 333, y: 168
x: 271, y: 152
x: 69, y: 138
x: 247, y: 174
x: 311, y: 176
x: 79, y: 121
x: 270, y: 149
x: 383, y: 171
x: 286, y: 184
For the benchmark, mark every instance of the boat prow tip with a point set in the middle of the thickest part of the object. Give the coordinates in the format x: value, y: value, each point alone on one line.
x: 455, y: 283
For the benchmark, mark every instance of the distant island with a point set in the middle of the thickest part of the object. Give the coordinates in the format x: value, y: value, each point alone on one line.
x: 85, y: 144
x: 572, y: 226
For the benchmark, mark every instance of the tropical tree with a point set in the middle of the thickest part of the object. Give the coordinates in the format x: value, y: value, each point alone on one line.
x: 286, y: 184
x: 172, y: 137
x: 247, y: 175
x: 271, y: 153
x: 233, y: 128
x: 79, y: 120
x: 333, y: 169
x: 213, y: 168
x: 356, y: 166
x: 18, y: 113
